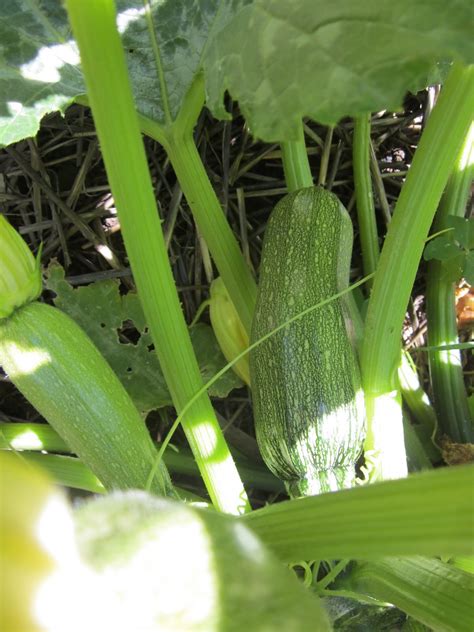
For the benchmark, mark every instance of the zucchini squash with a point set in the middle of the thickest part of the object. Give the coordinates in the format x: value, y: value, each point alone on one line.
x: 308, y: 404
x: 164, y: 566
x: 56, y: 366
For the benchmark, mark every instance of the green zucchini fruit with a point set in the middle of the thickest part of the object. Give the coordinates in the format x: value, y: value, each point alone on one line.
x: 140, y: 563
x: 307, y: 397
x: 167, y: 566
x: 56, y: 366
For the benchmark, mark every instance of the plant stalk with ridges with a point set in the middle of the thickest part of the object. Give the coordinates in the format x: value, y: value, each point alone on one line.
x: 105, y: 72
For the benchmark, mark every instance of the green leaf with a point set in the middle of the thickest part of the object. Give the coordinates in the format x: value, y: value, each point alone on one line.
x: 441, y: 248
x: 287, y: 60
x: 445, y: 248
x: 468, y: 271
x: 117, y: 326
x: 438, y: 73
x: 211, y: 360
x: 463, y: 230
x: 464, y: 563
x: 180, y: 30
x: 455, y: 249
x: 39, y: 60
x: 452, y: 269
x: 38, y: 66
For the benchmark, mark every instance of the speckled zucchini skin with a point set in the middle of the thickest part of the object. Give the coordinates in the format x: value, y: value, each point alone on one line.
x: 308, y: 403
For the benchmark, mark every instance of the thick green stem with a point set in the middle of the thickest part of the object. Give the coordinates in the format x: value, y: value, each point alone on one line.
x: 71, y: 472
x: 413, y: 395
x: 109, y: 92
x: 428, y: 513
x: 417, y: 456
x: 182, y: 151
x: 433, y: 161
x: 32, y: 437
x: 42, y: 437
x: 419, y: 405
x: 446, y: 372
x: 296, y: 163
x: 364, y: 196
x: 178, y: 141
x: 67, y: 471
x: 213, y: 225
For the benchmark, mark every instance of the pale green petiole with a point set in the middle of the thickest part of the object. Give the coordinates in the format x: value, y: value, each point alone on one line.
x: 107, y: 81
x: 433, y: 161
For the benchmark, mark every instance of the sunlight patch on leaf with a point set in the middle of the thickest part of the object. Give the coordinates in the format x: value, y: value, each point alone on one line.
x: 27, y: 440
x: 14, y: 107
x: 49, y: 60
x: 39, y: 68
x: 125, y: 18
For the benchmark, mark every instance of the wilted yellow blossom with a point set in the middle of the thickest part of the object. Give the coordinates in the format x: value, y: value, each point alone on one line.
x: 228, y: 329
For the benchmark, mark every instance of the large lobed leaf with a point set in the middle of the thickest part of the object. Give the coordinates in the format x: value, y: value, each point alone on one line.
x: 39, y: 60
x: 282, y: 61
x: 286, y: 60
x: 101, y: 311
